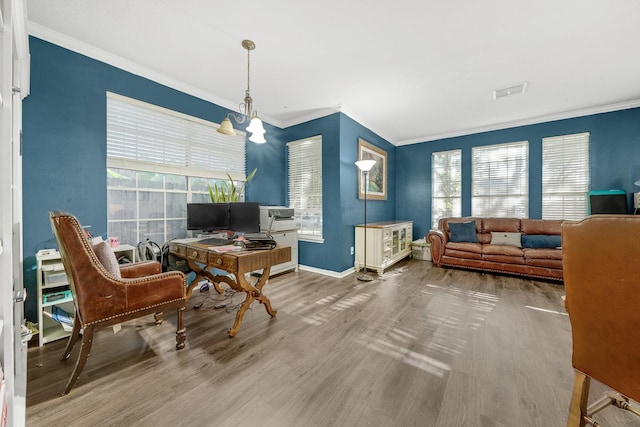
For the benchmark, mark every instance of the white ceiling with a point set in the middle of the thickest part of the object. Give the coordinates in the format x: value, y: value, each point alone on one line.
x: 409, y: 70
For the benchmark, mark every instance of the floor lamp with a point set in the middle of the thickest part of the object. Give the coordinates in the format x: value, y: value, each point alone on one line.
x: 365, y: 166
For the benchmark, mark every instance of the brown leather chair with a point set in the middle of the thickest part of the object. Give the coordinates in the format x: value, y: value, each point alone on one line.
x: 103, y: 299
x: 601, y: 262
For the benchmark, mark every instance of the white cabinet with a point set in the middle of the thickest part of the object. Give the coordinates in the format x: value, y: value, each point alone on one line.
x: 54, y: 291
x: 387, y: 243
x: 286, y: 238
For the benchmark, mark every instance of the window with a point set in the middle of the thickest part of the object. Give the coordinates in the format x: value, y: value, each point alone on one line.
x: 500, y: 177
x: 305, y: 186
x: 565, y: 176
x: 157, y: 161
x: 446, y: 185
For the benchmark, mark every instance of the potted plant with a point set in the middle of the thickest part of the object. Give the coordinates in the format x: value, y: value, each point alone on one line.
x: 227, y: 191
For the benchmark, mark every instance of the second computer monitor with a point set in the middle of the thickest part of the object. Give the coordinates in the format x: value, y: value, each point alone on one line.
x: 244, y: 217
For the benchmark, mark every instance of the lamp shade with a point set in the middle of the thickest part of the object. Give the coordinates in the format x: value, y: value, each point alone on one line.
x: 255, y: 126
x: 258, y: 138
x: 226, y: 128
x: 365, y: 165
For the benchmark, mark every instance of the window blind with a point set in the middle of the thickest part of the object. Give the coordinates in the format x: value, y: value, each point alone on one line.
x: 446, y: 185
x: 565, y: 176
x: 146, y: 137
x: 500, y: 186
x: 305, y: 185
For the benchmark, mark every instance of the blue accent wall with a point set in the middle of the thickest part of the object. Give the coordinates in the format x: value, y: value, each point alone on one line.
x: 341, y: 208
x: 614, y: 152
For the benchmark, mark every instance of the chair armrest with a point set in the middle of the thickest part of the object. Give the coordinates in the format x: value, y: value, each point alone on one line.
x: 140, y: 269
x: 438, y: 240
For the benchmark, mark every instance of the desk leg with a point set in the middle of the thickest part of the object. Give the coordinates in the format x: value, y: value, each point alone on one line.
x: 204, y: 273
x: 253, y: 293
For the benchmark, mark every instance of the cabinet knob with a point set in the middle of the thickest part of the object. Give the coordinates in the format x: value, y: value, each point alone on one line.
x: 195, y: 254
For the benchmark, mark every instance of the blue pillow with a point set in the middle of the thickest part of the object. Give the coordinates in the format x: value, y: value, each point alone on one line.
x: 541, y: 241
x: 463, y: 232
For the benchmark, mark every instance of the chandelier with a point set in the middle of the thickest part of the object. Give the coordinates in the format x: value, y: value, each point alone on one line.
x: 255, y: 127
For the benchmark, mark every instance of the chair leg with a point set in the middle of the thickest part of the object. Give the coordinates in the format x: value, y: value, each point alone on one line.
x: 158, y: 317
x: 180, y: 330
x: 75, y: 334
x: 85, y: 349
x: 579, y: 398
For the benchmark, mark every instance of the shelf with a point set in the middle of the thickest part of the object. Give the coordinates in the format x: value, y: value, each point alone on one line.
x: 57, y: 302
x: 53, y: 333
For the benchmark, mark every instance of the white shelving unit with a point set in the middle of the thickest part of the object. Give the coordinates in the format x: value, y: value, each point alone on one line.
x: 53, y: 290
x: 387, y: 243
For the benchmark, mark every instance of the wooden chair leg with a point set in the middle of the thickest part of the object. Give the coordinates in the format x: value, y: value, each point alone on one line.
x: 75, y: 334
x: 180, y: 330
x: 579, y: 398
x: 158, y: 317
x: 85, y: 349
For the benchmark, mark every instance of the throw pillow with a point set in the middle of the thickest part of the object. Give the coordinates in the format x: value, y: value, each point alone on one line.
x: 502, y: 238
x: 106, y: 257
x: 541, y: 241
x: 463, y: 232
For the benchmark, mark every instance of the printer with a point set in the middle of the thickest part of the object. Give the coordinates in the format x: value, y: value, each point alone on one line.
x: 277, y: 218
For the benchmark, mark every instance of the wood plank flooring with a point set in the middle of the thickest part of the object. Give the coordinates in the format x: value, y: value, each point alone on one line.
x: 418, y: 346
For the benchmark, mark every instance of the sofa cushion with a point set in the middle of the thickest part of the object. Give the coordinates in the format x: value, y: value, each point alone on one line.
x: 541, y: 226
x: 511, y: 225
x: 541, y: 241
x: 502, y: 250
x: 505, y: 238
x: 542, y: 254
x: 463, y: 232
x: 465, y: 247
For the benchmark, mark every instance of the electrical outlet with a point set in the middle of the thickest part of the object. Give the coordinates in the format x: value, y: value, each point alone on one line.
x: 351, y: 250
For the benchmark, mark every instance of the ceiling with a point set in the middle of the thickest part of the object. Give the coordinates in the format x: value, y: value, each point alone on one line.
x: 409, y: 70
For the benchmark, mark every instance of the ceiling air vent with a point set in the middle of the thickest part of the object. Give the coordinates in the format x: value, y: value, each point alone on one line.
x: 510, y: 91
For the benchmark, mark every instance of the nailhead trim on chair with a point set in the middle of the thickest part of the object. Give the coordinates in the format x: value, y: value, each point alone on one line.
x: 129, y: 312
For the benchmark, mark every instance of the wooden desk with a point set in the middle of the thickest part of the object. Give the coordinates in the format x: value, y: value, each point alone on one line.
x: 202, y: 259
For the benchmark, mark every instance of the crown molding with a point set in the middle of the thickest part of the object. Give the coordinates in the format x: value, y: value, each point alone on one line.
x: 85, y: 49
x: 529, y: 121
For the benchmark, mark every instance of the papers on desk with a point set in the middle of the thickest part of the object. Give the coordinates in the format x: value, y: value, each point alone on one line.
x: 225, y: 248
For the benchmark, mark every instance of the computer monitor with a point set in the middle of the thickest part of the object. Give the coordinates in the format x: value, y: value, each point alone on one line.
x: 244, y: 217
x: 608, y: 202
x: 207, y: 216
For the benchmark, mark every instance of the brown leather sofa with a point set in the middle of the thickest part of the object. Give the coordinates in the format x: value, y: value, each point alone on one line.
x: 526, y: 247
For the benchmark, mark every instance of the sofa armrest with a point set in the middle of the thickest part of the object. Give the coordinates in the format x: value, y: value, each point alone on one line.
x: 438, y: 240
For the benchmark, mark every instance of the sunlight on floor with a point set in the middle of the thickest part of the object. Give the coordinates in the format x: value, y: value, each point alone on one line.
x: 441, y: 333
x: 546, y: 311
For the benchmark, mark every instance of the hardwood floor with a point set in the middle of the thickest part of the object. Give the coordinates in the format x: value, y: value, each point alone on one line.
x: 418, y: 346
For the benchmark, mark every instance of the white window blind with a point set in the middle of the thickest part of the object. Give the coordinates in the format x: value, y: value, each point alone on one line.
x: 446, y: 185
x: 305, y: 186
x: 146, y: 137
x: 500, y: 176
x: 565, y: 176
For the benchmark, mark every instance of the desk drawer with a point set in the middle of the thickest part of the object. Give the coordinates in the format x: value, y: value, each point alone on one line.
x: 196, y: 254
x: 178, y: 250
x: 222, y: 262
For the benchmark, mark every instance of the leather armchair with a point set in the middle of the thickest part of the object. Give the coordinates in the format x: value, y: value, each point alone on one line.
x: 602, y: 280
x: 103, y: 299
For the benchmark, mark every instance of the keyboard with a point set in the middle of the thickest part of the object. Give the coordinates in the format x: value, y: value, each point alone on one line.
x: 216, y: 241
x: 257, y: 236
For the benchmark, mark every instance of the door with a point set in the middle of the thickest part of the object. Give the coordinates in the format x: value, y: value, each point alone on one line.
x: 14, y: 72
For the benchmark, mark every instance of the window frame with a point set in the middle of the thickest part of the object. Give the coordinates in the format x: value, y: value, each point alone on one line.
x: 299, y: 193
x: 485, y: 196
x: 570, y: 180
x: 146, y: 151
x: 456, y: 211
